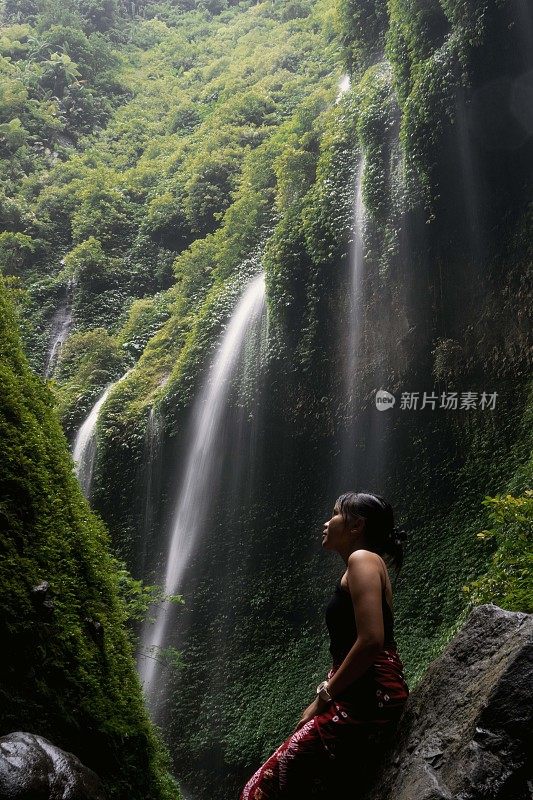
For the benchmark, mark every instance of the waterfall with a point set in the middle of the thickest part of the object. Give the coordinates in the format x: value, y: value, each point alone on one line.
x: 152, y: 474
x: 60, y: 329
x: 84, y: 449
x: 201, y: 473
x: 363, y: 436
x: 351, y: 333
x: 244, y: 451
x: 356, y: 283
x: 344, y: 85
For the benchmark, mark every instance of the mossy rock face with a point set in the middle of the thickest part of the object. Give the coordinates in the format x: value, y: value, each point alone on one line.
x: 71, y: 674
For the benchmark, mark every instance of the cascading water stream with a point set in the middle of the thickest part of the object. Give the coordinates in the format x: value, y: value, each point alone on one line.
x: 201, y: 473
x: 357, y: 263
x: 244, y: 452
x: 352, y: 329
x: 84, y: 448
x: 151, y: 480
x: 61, y: 324
x: 344, y: 85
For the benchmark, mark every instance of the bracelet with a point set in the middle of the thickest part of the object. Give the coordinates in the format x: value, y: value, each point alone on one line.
x: 322, y: 692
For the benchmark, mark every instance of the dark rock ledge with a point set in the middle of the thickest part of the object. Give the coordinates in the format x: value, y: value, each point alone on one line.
x: 466, y: 733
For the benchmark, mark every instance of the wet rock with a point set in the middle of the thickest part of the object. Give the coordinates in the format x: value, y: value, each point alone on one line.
x: 32, y: 768
x: 40, y: 591
x: 41, y: 597
x: 466, y: 733
x: 96, y: 630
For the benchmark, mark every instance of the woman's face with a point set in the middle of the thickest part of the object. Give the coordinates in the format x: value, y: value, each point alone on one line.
x: 337, y: 533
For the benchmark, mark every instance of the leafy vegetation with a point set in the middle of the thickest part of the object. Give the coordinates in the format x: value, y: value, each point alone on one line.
x: 508, y: 581
x: 65, y: 601
x: 157, y: 156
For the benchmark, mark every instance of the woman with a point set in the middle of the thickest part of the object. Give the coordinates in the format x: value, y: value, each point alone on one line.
x: 338, y: 740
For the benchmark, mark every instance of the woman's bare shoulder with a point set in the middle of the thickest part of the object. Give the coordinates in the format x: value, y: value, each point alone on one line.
x: 364, y: 557
x: 364, y: 561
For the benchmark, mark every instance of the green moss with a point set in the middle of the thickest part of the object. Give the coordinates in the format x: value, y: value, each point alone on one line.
x: 376, y: 127
x: 362, y: 26
x: 146, y: 316
x: 71, y: 674
x: 88, y: 362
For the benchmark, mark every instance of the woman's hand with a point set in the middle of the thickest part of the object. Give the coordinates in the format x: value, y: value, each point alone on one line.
x: 317, y: 706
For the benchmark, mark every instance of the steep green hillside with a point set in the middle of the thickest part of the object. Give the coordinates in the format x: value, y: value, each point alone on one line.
x: 225, y: 147
x: 68, y: 671
x: 200, y: 134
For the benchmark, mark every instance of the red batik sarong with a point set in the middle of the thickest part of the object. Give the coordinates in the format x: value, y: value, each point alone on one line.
x: 344, y: 741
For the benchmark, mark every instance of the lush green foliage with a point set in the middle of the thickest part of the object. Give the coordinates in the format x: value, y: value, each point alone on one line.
x: 219, y: 117
x: 221, y: 149
x: 509, y: 580
x: 70, y: 675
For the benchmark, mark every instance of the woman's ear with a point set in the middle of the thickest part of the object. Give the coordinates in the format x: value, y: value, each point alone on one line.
x: 357, y: 526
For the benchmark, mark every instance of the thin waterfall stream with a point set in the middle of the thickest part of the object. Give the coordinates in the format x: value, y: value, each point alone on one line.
x: 353, y: 326
x: 152, y: 476
x: 84, y: 447
x: 344, y: 85
x: 61, y: 325
x: 201, y: 473
x: 363, y: 436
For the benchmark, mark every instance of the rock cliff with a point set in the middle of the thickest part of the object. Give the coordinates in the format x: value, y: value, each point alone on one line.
x: 466, y: 731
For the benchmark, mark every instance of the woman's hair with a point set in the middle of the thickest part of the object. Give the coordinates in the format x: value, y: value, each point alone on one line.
x: 380, y: 530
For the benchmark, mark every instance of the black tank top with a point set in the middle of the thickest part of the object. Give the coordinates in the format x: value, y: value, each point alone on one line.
x: 340, y: 620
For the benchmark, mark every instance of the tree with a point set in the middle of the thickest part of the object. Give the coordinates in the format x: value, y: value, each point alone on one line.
x: 16, y: 252
x: 104, y: 212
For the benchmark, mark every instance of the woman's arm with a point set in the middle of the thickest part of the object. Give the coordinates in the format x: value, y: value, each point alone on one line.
x: 364, y: 581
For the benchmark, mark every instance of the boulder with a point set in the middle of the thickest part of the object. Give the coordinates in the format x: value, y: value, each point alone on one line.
x: 32, y: 768
x: 466, y: 733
